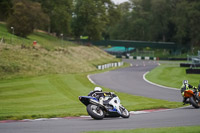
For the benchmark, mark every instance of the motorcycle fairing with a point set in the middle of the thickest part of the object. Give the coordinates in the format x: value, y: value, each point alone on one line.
x: 188, y: 93
x: 115, y: 102
x: 86, y: 99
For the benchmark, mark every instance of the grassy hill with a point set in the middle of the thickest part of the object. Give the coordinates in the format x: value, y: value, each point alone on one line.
x: 51, y: 55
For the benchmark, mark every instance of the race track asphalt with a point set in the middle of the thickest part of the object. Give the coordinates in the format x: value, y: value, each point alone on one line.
x: 128, y: 80
x: 171, y: 118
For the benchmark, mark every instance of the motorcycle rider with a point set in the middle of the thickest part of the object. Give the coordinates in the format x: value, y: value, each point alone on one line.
x: 97, y: 93
x: 186, y: 86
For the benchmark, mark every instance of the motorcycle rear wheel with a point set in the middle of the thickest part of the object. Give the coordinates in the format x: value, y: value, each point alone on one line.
x: 95, y: 112
x: 194, y: 102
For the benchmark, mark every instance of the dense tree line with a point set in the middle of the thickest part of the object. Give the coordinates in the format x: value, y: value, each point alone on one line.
x: 144, y: 20
x: 160, y: 20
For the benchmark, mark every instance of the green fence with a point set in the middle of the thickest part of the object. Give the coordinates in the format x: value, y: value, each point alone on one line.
x: 135, y: 44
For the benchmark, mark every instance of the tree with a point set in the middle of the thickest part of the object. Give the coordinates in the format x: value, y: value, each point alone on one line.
x: 5, y: 9
x: 147, y: 20
x: 187, y: 20
x: 121, y: 30
x: 90, y: 18
x: 161, y: 15
x: 113, y: 16
x: 60, y: 14
x: 134, y: 24
x: 194, y: 20
x: 60, y: 20
x: 26, y: 17
x: 119, y: 26
x: 159, y: 20
x: 141, y: 20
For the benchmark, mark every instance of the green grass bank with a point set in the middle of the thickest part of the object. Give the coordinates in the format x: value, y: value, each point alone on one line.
x: 51, y: 55
x: 171, y: 74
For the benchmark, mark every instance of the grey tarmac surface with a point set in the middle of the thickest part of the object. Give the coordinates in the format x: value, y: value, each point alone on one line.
x: 130, y: 80
x: 177, y: 117
x: 127, y: 80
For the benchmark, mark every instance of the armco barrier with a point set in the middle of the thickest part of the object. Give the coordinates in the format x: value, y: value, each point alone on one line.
x: 148, y: 58
x: 138, y: 57
x: 109, y: 65
x: 189, y: 65
x: 193, y: 71
x: 176, y: 59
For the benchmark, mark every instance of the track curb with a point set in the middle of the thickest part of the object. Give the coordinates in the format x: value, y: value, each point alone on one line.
x: 148, y: 111
x: 80, y: 117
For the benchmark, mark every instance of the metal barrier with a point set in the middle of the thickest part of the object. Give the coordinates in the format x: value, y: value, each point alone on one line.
x: 139, y: 57
x: 109, y: 65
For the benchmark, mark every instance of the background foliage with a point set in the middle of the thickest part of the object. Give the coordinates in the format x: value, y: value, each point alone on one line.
x: 144, y: 20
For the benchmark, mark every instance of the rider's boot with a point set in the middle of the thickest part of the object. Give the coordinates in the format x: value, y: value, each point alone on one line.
x: 185, y: 101
x: 101, y: 100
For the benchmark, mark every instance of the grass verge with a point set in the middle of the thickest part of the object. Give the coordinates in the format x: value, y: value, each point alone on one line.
x: 171, y: 75
x: 186, y: 129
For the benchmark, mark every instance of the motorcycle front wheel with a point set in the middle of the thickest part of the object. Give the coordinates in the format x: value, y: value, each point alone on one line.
x: 95, y: 112
x: 124, y: 113
x: 195, y: 103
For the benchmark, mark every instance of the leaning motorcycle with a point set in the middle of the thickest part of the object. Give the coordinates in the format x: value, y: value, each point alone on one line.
x: 110, y: 107
x: 194, y: 97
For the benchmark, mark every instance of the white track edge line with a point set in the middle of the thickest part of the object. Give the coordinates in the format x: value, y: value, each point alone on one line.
x: 144, y: 78
x: 88, y: 76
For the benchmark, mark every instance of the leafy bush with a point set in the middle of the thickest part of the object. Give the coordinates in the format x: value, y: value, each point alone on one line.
x: 26, y: 17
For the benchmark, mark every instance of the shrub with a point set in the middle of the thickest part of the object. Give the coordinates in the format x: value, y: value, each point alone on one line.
x: 25, y: 18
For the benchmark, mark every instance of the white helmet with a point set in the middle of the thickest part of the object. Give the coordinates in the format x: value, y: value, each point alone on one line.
x: 97, y: 89
x: 185, y: 82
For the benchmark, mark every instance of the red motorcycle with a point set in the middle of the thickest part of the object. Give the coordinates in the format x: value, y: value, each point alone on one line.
x: 194, y: 97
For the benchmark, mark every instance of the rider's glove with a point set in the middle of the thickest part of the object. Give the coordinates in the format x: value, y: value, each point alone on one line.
x: 195, y: 90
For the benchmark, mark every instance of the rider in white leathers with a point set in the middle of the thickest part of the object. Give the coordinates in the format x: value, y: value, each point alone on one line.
x: 101, y: 96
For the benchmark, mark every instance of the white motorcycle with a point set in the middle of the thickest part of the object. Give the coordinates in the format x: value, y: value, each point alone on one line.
x: 111, y: 107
